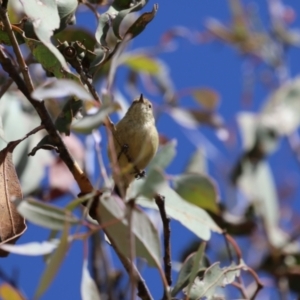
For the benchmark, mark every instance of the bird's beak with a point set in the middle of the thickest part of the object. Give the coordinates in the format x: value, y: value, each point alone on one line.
x: 141, y: 100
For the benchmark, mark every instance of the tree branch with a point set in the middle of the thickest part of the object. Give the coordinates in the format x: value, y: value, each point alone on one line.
x: 83, y: 182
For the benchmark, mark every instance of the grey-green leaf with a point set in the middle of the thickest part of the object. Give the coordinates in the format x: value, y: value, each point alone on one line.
x: 90, y: 122
x: 46, y: 215
x: 197, y: 189
x: 54, y: 264
x: 112, y: 211
x: 189, y: 215
x: 188, y: 272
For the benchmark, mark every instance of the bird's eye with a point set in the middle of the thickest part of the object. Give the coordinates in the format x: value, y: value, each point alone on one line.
x: 150, y: 106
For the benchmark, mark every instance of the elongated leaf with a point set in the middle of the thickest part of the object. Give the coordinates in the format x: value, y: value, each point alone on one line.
x: 183, y: 117
x: 155, y: 178
x: 71, y: 34
x: 90, y: 122
x: 31, y: 249
x: 123, y: 13
x: 46, y: 215
x: 12, y: 224
x: 197, y: 189
x: 54, y: 264
x: 141, y: 63
x: 88, y: 286
x: 189, y: 215
x: 8, y: 292
x: 112, y: 212
x: 192, y: 265
x: 45, y: 19
x: 102, y: 29
x: 214, y: 277
x: 48, y: 60
x: 58, y: 88
x: 140, y: 24
x: 4, y: 38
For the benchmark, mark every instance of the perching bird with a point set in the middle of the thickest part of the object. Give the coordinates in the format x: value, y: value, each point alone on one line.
x: 136, y: 141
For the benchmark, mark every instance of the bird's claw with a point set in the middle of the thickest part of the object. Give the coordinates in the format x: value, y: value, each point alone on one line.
x: 140, y: 174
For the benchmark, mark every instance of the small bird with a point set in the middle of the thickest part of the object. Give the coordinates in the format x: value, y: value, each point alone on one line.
x: 136, y: 142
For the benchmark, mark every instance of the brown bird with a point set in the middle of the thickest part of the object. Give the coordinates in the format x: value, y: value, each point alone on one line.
x: 136, y: 141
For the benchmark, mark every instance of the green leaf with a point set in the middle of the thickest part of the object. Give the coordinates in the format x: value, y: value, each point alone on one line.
x: 213, y: 277
x: 4, y: 38
x: 90, y: 122
x: 140, y: 24
x: 123, y: 13
x: 164, y: 156
x: 141, y: 63
x: 46, y: 215
x: 49, y: 60
x: 88, y: 287
x: 54, y: 263
x: 197, y: 189
x: 76, y: 202
x: 71, y: 34
x: 189, y: 270
x: 189, y: 215
x: 121, y: 4
x: 102, y: 29
x: 59, y: 88
x: 66, y: 11
x: 45, y: 19
x: 112, y: 213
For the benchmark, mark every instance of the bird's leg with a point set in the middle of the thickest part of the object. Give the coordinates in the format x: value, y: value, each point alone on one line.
x: 124, y: 149
x: 138, y: 173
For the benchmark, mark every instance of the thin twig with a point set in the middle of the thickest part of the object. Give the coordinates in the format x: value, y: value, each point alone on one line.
x: 240, y: 285
x: 250, y: 270
x: 228, y: 247
x: 160, y: 202
x: 24, y: 68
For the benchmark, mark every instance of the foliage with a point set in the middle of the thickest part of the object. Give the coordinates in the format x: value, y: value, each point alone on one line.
x: 54, y: 119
